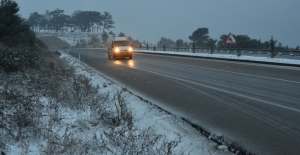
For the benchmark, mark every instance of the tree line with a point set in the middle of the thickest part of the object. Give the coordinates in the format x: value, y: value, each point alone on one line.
x: 79, y: 21
x: 94, y: 41
x: 93, y: 21
x: 201, y: 39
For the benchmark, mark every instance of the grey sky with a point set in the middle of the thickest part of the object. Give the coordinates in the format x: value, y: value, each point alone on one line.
x: 177, y: 19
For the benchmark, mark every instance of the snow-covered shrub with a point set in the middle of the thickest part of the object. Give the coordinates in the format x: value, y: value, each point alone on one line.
x: 18, y: 58
x: 54, y: 109
x: 98, y: 109
x: 68, y: 144
x: 118, y: 113
x: 53, y: 77
x: 81, y: 93
x: 121, y: 140
x: 20, y: 112
x: 117, y: 140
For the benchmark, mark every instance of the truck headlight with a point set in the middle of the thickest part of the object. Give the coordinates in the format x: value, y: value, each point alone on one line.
x: 130, y: 49
x: 117, y: 50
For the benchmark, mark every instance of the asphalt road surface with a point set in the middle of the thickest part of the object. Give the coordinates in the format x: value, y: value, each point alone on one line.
x: 257, y: 106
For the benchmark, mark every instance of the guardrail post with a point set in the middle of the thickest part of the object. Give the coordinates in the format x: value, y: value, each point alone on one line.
x: 147, y: 46
x: 291, y: 54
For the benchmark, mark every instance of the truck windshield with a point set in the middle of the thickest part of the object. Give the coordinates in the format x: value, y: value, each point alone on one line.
x: 121, y: 43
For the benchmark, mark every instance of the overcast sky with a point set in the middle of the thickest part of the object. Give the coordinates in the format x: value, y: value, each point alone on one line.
x: 177, y: 19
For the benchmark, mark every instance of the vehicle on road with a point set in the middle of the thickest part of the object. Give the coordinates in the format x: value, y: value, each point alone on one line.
x: 120, y: 47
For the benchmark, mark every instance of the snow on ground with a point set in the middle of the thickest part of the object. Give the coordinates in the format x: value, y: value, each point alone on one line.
x: 74, y: 38
x: 72, y: 41
x: 70, y: 38
x: 228, y: 56
x: 149, y: 116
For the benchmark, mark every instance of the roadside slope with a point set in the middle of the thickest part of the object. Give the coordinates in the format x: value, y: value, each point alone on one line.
x: 54, y: 42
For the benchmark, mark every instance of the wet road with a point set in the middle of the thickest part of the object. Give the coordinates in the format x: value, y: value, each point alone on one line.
x: 255, y: 105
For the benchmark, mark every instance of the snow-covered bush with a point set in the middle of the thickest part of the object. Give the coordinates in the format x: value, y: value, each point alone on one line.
x: 18, y: 58
x: 118, y: 113
x: 98, y: 110
x: 122, y: 140
x: 20, y: 111
x: 82, y: 93
x: 68, y: 143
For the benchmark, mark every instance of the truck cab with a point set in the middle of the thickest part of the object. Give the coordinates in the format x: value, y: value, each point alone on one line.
x: 120, y: 47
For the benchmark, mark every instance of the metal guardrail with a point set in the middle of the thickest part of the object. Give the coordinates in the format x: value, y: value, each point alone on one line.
x: 290, y: 54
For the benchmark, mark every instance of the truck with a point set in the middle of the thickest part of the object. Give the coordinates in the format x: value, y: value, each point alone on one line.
x: 120, y: 47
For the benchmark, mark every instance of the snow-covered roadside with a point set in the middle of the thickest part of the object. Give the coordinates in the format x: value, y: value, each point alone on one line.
x: 72, y: 41
x: 192, y: 142
x: 227, y: 56
x: 75, y: 38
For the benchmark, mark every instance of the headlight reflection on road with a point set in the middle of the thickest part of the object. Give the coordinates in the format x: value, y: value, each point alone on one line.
x: 118, y: 62
x: 131, y: 63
